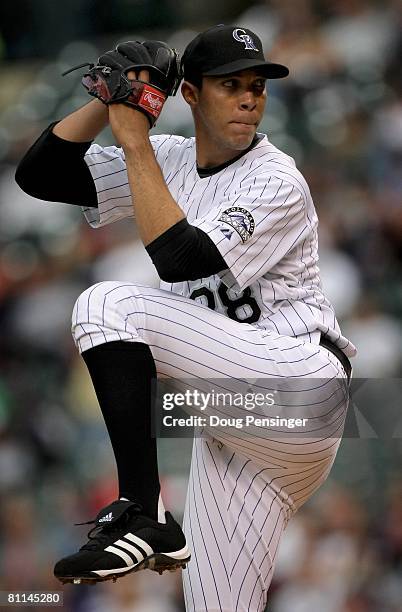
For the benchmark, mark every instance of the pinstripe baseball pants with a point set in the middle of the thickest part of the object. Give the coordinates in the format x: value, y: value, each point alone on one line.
x: 242, y: 489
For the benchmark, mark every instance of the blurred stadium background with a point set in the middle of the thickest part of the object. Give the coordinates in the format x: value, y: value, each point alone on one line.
x: 340, y: 116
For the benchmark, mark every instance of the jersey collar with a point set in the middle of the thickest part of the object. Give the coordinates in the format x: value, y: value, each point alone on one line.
x: 204, y: 172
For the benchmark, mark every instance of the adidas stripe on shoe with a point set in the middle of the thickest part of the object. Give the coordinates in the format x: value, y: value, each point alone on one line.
x: 123, y: 541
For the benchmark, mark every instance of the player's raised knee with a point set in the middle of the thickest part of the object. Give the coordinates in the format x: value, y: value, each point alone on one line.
x: 91, y: 301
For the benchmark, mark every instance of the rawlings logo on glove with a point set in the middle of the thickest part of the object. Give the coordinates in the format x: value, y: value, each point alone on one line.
x: 155, y: 103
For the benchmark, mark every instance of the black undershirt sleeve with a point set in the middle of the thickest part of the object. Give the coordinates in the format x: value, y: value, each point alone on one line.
x: 185, y: 252
x: 54, y: 169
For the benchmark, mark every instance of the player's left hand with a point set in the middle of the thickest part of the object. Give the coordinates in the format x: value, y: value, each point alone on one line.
x: 111, y: 79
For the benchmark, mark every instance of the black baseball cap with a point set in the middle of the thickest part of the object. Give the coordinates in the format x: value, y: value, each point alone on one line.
x: 226, y: 49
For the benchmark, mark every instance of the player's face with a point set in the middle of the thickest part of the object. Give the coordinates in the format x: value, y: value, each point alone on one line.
x: 227, y: 111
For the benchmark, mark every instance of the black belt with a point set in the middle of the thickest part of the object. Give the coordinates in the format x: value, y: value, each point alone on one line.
x: 339, y: 354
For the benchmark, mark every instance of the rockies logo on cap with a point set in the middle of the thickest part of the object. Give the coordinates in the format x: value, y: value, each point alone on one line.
x: 215, y: 53
x: 245, y: 39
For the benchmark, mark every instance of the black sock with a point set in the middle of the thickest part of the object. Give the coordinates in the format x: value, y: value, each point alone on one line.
x: 121, y: 373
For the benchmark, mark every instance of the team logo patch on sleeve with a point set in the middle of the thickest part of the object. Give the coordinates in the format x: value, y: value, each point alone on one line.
x: 241, y: 220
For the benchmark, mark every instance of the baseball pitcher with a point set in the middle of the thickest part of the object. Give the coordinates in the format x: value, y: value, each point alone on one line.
x: 230, y: 225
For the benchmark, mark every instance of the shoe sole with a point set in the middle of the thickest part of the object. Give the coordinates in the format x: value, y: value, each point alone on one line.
x: 157, y: 563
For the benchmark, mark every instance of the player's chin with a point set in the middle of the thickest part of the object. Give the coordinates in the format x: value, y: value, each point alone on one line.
x: 242, y: 135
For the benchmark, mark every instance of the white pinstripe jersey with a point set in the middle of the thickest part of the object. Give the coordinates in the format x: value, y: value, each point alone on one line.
x: 259, y: 212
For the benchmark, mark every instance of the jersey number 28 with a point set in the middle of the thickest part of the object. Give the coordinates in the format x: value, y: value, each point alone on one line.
x: 232, y: 306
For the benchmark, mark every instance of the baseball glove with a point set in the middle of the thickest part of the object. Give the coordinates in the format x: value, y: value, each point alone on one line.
x: 107, y: 80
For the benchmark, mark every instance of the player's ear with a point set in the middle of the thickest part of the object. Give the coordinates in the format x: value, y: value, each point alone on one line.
x: 190, y: 93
